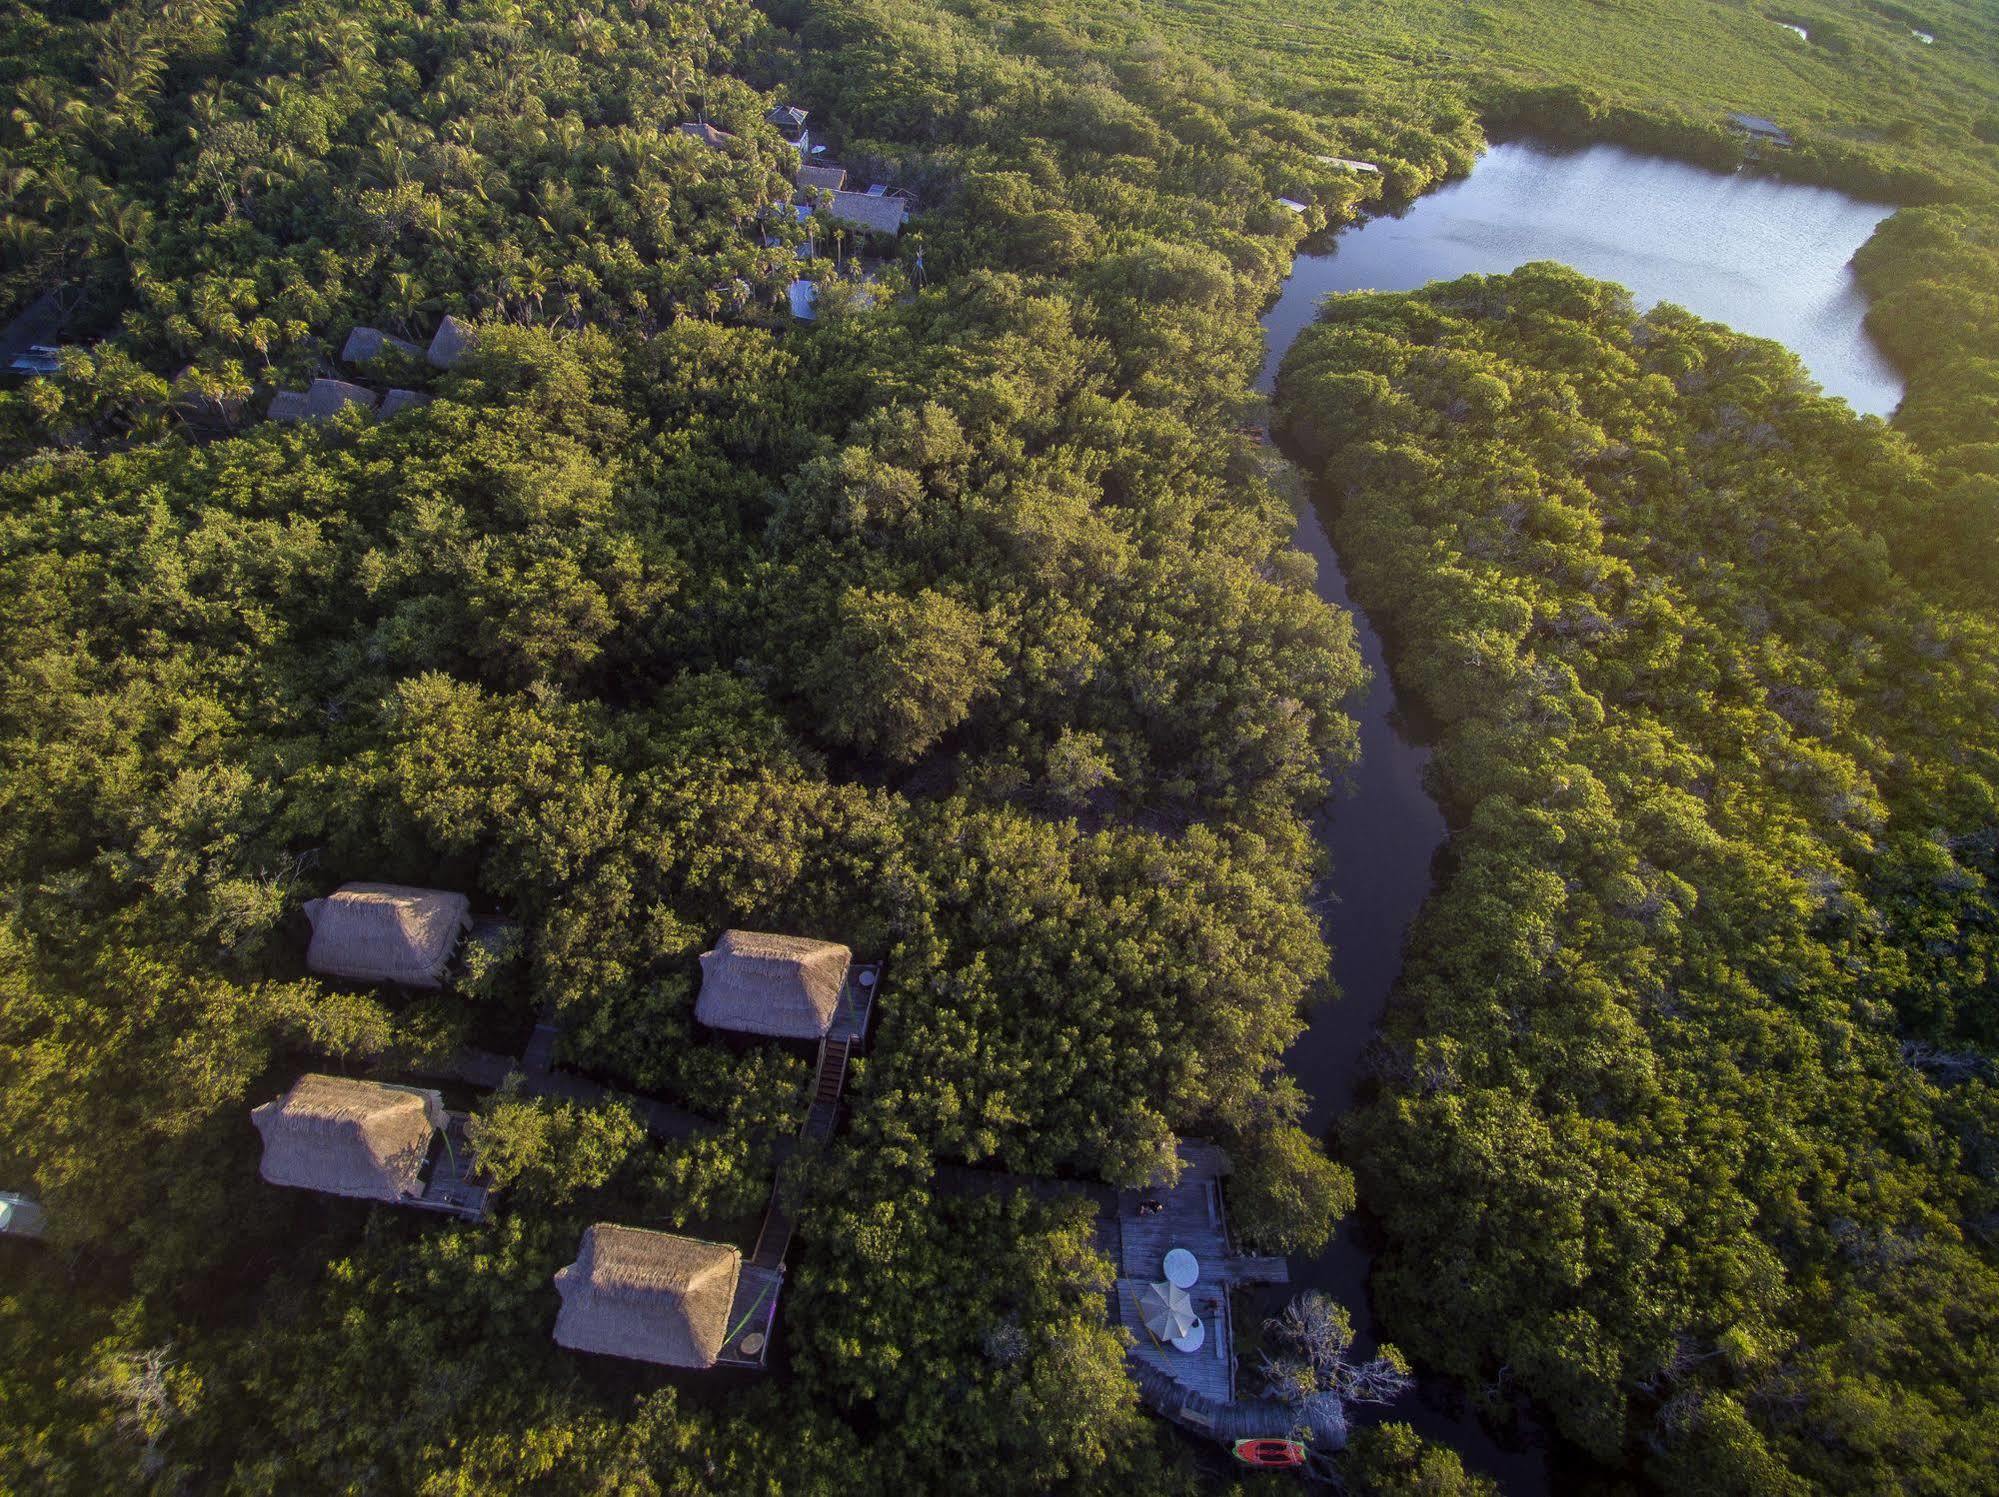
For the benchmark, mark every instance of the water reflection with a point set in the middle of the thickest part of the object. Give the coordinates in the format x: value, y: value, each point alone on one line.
x: 1766, y: 257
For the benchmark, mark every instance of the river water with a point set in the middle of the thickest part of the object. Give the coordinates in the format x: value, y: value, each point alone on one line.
x: 1763, y: 256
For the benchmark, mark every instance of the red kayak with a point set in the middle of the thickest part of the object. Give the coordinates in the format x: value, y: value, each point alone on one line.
x: 1270, y: 1455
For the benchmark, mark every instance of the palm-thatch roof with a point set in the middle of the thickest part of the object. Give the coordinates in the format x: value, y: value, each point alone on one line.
x: 785, y: 986
x: 366, y: 343
x: 397, y: 401
x: 326, y: 398
x: 386, y: 933
x: 349, y: 1138
x: 878, y: 213
x: 451, y: 342
x: 707, y: 134
x: 814, y: 178
x: 650, y: 1296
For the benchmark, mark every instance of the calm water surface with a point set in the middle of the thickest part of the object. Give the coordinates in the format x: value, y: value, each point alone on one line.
x: 1764, y: 257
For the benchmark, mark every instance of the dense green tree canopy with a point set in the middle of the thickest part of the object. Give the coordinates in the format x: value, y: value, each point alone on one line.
x: 962, y: 625
x: 1687, y: 1126
x: 664, y: 615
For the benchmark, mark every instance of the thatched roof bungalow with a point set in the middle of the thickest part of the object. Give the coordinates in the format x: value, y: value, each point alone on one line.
x: 386, y: 933
x: 452, y: 341
x: 790, y: 122
x: 784, y: 986
x: 366, y: 343
x: 349, y: 1138
x: 397, y: 401
x: 1760, y: 128
x: 821, y: 178
x: 874, y: 212
x: 706, y: 133
x: 648, y: 1296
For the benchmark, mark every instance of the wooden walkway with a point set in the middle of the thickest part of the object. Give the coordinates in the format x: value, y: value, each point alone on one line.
x: 450, y: 1186
x: 536, y: 1065
x: 761, y: 1279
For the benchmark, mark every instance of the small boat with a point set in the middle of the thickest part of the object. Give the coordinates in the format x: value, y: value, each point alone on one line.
x: 1270, y: 1455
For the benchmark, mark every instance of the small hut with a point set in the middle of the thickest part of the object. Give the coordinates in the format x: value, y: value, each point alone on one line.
x: 327, y: 398
x: 790, y: 122
x: 368, y: 343
x: 872, y: 212
x: 784, y: 986
x: 821, y: 178
x: 397, y: 401
x: 1761, y: 129
x: 706, y: 133
x: 322, y: 400
x: 20, y: 1216
x: 649, y: 1296
x: 454, y: 339
x: 349, y: 1138
x: 386, y: 933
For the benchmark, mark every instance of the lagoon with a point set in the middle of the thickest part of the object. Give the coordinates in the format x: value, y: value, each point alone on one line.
x: 1766, y: 257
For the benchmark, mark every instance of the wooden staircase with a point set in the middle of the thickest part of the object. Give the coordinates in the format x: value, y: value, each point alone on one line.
x: 824, y: 1109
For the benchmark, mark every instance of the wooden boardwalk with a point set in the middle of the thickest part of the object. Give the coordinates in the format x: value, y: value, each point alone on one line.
x: 760, y: 1281
x: 536, y: 1065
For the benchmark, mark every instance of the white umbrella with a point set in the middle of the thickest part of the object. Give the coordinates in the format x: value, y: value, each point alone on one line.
x: 1166, y: 1310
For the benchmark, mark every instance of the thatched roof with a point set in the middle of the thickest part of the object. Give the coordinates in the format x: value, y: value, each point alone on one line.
x: 784, y: 986
x: 878, y: 213
x: 348, y: 1138
x: 707, y: 134
x: 386, y: 933
x: 451, y: 342
x: 366, y: 343
x: 398, y: 401
x: 813, y: 178
x: 788, y: 118
x: 649, y: 1296
x: 326, y: 398
x: 1755, y: 124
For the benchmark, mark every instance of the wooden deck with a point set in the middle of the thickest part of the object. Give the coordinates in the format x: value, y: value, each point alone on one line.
x: 1209, y: 1371
x: 857, y: 1003
x: 451, y: 1186
x: 1195, y: 1217
x: 1192, y: 1219
x: 752, y: 1315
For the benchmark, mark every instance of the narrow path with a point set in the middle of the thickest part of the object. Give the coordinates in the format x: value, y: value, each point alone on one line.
x: 537, y: 1069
